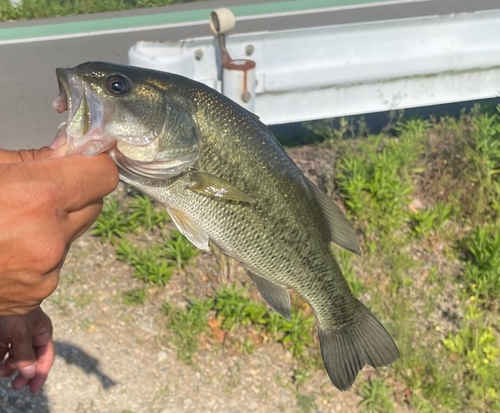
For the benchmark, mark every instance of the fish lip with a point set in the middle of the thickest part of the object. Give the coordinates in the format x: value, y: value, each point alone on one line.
x: 85, y: 139
x: 71, y: 93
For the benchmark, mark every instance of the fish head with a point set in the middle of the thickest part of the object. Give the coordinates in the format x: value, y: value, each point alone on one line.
x: 134, y: 114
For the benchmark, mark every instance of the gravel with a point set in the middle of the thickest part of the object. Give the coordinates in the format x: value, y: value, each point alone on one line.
x: 118, y: 359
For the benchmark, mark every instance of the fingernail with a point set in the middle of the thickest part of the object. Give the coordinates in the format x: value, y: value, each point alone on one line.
x: 28, y: 371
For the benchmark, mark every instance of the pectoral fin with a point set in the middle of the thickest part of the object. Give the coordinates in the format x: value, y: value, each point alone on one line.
x: 190, y: 229
x: 341, y: 230
x: 211, y: 185
x: 277, y: 297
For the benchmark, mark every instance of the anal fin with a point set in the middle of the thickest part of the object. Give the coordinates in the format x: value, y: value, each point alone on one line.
x: 277, y: 297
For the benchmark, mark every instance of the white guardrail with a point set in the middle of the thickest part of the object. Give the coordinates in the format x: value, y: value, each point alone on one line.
x: 348, y: 69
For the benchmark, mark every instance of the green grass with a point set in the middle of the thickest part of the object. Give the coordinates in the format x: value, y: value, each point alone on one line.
x: 155, y: 263
x: 475, y: 345
x: 482, y: 264
x: 179, y: 249
x: 234, y: 309
x: 445, y: 254
x: 145, y: 213
x: 113, y: 223
x: 36, y: 9
x: 122, y: 220
x: 424, y: 197
x: 377, y: 397
x: 149, y: 263
x: 187, y: 325
x: 237, y: 315
x: 134, y: 297
x: 131, y: 214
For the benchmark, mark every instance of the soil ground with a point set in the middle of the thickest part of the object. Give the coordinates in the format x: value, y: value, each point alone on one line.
x: 116, y: 358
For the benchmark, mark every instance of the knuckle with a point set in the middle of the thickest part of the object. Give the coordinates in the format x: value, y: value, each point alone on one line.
x: 51, y: 256
x: 48, y: 285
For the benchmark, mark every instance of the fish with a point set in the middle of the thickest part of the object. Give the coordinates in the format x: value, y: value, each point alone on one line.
x: 226, y: 180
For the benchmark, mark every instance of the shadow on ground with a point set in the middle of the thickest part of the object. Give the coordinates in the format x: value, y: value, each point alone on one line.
x: 12, y: 401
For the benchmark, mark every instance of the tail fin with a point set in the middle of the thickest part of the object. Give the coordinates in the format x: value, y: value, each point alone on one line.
x: 346, y: 350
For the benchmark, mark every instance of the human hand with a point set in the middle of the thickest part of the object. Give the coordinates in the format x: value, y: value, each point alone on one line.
x: 27, y: 342
x: 45, y: 204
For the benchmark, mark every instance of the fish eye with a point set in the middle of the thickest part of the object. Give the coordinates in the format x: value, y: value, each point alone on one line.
x: 117, y: 85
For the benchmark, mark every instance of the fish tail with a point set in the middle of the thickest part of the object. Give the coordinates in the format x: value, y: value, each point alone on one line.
x: 347, y: 349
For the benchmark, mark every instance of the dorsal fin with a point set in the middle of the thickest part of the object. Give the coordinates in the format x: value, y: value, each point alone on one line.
x: 341, y: 230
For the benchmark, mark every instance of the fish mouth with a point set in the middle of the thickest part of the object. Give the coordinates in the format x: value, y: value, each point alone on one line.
x: 83, y: 131
x: 87, y: 132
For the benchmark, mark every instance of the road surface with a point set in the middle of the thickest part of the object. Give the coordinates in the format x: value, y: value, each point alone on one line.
x: 31, y: 50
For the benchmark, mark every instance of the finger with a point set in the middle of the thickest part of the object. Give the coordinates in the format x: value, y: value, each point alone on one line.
x: 60, y: 151
x: 45, y: 360
x: 83, y: 219
x: 61, y: 137
x: 4, y: 349
x: 23, y: 355
x: 84, y: 179
x: 10, y: 362
x: 6, y: 370
x: 19, y: 382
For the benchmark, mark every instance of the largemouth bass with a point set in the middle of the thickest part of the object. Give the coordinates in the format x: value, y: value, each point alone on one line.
x: 225, y: 179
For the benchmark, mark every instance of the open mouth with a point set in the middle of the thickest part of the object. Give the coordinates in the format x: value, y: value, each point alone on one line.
x: 83, y: 129
x: 92, y: 128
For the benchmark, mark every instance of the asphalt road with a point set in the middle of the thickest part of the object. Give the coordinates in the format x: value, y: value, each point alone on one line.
x: 27, y: 79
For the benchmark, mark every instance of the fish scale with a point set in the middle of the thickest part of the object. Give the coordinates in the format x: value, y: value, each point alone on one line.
x: 224, y: 178
x: 310, y: 264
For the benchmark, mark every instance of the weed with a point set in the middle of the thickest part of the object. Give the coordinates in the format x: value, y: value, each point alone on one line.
x: 233, y: 307
x: 334, y: 130
x: 187, y: 325
x: 180, y: 249
x: 376, y: 397
x: 345, y: 259
x: 150, y: 263
x: 87, y: 323
x: 297, y: 333
x: 112, y: 223
x: 300, y: 376
x: 145, y: 214
x: 134, y: 297
x: 427, y: 222
x: 34, y: 9
x: 306, y: 403
x: 376, y: 182
x: 449, y: 362
x: 482, y: 267
x: 476, y: 346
